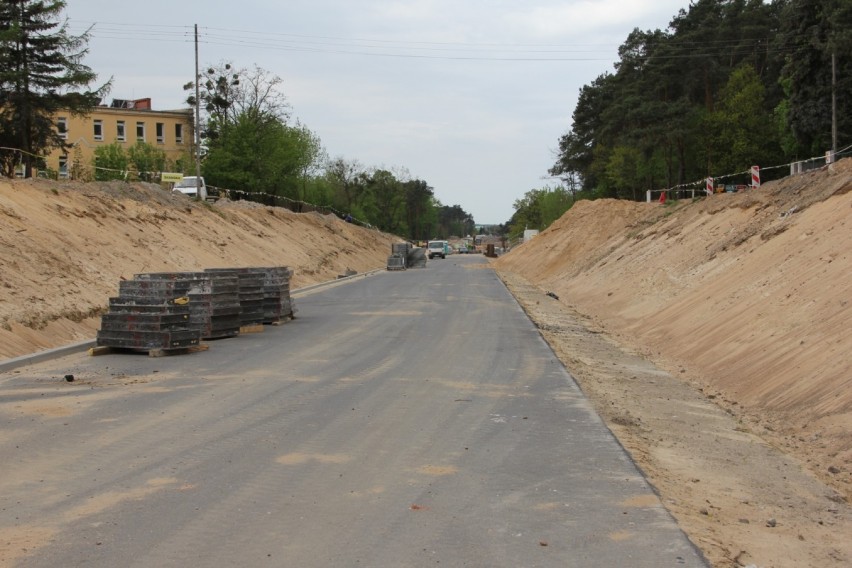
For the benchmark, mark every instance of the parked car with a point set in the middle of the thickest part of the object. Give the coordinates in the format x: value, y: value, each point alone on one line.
x: 192, y: 187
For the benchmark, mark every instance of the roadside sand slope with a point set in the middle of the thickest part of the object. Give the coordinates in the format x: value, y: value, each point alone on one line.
x: 64, y: 246
x: 713, y: 338
x: 747, y: 296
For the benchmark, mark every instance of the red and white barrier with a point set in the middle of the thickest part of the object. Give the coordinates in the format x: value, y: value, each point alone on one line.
x: 709, y: 188
x: 755, y: 177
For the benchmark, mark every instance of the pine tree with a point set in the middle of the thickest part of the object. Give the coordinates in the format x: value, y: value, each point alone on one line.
x: 41, y: 72
x: 813, y: 31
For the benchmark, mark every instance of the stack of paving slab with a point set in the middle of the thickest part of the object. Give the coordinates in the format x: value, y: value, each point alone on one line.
x: 416, y: 258
x: 149, y: 315
x: 164, y: 311
x: 219, y: 312
x: 214, y: 304
x: 250, y: 291
x: 277, y: 304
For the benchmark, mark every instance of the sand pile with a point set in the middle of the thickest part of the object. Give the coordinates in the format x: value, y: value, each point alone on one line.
x: 747, y: 296
x: 64, y: 247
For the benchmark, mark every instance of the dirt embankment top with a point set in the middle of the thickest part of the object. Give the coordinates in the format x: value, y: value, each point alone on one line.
x: 745, y: 295
x: 64, y: 246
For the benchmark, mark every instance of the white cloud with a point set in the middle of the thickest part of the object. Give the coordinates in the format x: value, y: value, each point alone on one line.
x: 400, y: 11
x: 586, y: 18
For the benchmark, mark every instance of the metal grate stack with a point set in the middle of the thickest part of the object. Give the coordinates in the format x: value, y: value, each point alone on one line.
x: 214, y: 303
x: 223, y: 303
x: 250, y: 293
x: 399, y: 255
x: 149, y: 315
x: 396, y: 262
x: 277, y: 304
x: 401, y: 249
x: 416, y: 258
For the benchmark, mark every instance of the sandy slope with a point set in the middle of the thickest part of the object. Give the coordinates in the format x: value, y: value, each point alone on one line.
x: 64, y: 247
x: 744, y: 298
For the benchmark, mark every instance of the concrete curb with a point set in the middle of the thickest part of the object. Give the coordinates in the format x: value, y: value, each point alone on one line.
x: 330, y: 283
x: 45, y: 355
x: 81, y: 346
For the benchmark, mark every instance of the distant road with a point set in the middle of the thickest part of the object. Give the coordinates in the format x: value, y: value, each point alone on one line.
x: 410, y: 418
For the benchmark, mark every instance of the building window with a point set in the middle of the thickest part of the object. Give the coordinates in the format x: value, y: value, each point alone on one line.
x: 98, y: 129
x: 179, y: 133
x: 161, y: 133
x: 63, y: 166
x: 120, y: 134
x: 140, y: 131
x: 62, y: 127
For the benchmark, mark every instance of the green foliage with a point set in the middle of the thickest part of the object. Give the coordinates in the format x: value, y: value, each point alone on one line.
x: 741, y: 126
x: 113, y: 162
x: 577, y: 147
x: 262, y: 156
x: 538, y: 209
x: 406, y: 207
x: 318, y: 191
x: 781, y: 121
x: 388, y: 200
x: 41, y: 72
x: 148, y: 160
x: 729, y: 84
x: 421, y: 213
x: 250, y: 146
x: 453, y: 221
x: 344, y: 178
x: 811, y: 32
x: 622, y: 171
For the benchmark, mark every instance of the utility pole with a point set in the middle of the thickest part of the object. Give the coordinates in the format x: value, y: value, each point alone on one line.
x: 833, y: 105
x: 197, y: 134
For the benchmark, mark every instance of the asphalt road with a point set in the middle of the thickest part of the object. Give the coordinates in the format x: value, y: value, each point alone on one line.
x: 410, y: 418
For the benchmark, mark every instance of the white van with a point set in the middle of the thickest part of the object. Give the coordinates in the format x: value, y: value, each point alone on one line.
x: 437, y: 248
x: 190, y: 187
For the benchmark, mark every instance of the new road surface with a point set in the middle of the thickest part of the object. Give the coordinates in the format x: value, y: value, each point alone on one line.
x: 410, y: 418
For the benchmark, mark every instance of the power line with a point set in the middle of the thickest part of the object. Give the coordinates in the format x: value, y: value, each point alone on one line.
x: 454, y: 51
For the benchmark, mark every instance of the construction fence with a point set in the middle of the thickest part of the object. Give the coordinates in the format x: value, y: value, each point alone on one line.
x: 131, y: 175
x: 741, y: 181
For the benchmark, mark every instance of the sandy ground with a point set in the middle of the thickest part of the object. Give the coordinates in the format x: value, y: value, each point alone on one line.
x: 712, y: 335
x: 741, y: 501
x: 64, y: 247
x: 714, y: 338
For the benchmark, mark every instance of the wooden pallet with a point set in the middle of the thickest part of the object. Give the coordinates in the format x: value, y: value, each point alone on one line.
x: 254, y: 328
x: 281, y: 321
x: 105, y: 350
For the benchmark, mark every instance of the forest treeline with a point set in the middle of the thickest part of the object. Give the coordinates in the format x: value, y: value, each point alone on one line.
x: 728, y: 85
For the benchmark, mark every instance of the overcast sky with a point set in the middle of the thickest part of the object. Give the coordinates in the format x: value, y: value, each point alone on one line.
x: 470, y: 96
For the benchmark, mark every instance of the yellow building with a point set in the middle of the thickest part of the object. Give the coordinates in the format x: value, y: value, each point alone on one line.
x: 126, y: 122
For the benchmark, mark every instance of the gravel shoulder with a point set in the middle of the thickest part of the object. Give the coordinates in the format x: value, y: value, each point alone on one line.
x: 742, y: 501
